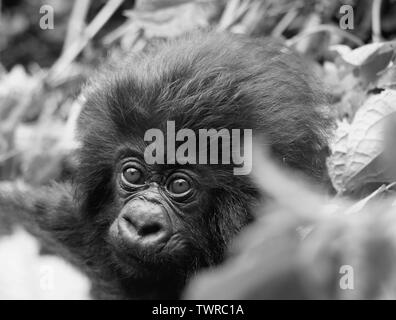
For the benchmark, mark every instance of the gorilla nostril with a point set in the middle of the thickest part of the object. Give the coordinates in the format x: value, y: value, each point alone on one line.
x: 144, y: 225
x: 150, y: 229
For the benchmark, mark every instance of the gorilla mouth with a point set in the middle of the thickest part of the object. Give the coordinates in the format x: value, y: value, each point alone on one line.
x: 139, y: 265
x: 168, y: 253
x: 130, y: 258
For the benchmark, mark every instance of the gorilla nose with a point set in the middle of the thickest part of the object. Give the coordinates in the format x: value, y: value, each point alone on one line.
x: 146, y: 224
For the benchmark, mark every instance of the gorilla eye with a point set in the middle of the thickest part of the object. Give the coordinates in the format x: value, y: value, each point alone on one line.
x: 179, y: 186
x: 132, y: 175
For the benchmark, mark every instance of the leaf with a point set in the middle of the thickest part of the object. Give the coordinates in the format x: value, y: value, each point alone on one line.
x: 374, y: 196
x: 172, y: 21
x: 23, y: 269
x: 3, y: 144
x: 364, y: 54
x: 367, y: 61
x: 153, y: 5
x: 357, y: 149
x: 387, y: 78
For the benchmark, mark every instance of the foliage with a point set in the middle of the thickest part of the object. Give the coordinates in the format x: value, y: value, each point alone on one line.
x: 42, y: 72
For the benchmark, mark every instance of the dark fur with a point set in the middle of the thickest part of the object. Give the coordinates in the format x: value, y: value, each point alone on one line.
x: 200, y: 81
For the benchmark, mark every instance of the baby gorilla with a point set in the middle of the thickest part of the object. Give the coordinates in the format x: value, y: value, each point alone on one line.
x: 139, y: 229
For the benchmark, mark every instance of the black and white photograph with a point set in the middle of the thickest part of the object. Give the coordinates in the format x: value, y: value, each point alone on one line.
x: 197, y: 150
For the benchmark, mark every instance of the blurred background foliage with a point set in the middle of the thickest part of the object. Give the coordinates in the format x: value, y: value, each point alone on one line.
x: 42, y: 73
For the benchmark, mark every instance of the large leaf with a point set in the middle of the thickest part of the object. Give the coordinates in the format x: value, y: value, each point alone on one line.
x: 357, y: 149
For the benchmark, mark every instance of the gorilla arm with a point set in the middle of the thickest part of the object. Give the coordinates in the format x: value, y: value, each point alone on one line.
x: 49, y: 213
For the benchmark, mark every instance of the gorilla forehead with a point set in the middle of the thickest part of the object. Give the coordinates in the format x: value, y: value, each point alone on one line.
x: 200, y: 82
